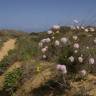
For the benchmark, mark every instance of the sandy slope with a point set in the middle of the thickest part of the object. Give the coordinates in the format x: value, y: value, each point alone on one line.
x: 33, y: 83
x: 89, y: 85
x: 10, y: 44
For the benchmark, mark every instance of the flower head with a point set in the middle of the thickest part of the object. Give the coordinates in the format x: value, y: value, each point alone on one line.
x: 75, y: 51
x: 72, y: 27
x: 56, y: 27
x: 78, y: 27
x: 43, y: 40
x: 40, y: 44
x: 57, y: 43
x: 71, y: 58
x: 92, y: 29
x: 64, y: 40
x: 83, y: 72
x: 95, y: 40
x: 49, y: 32
x: 44, y: 56
x: 91, y: 61
x: 87, y: 47
x: 86, y: 30
x: 48, y: 40
x: 61, y: 68
x: 76, y: 45
x: 75, y: 37
x: 44, y: 49
x: 82, y: 27
x: 53, y: 37
x: 80, y: 59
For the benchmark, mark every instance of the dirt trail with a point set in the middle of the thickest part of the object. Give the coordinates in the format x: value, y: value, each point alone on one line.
x: 10, y: 69
x: 10, y: 44
x: 33, y: 83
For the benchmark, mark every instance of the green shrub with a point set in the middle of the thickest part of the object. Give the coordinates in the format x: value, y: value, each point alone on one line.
x: 8, y: 60
x: 12, y: 78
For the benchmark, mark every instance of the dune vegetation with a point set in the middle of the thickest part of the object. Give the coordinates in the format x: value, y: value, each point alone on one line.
x: 60, y: 62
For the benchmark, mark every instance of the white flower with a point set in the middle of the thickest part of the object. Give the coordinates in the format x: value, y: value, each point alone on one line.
x: 76, y: 51
x: 83, y: 72
x: 75, y: 37
x: 43, y: 40
x: 56, y: 27
x: 78, y: 27
x: 64, y: 40
x: 40, y: 44
x: 80, y: 59
x: 49, y: 32
x: 95, y: 40
x: 87, y: 47
x: 62, y: 68
x: 48, y: 40
x: 44, y: 56
x: 82, y: 27
x: 91, y: 61
x: 92, y: 29
x: 71, y: 58
x: 44, y: 49
x: 76, y: 45
x: 57, y: 43
x: 76, y: 21
x: 86, y: 30
x: 53, y: 37
x: 72, y: 27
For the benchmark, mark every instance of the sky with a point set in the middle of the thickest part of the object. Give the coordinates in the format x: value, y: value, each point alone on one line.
x: 40, y: 15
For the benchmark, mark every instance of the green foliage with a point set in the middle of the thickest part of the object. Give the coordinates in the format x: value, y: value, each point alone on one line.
x: 64, y: 54
x: 8, y: 60
x: 27, y: 48
x: 12, y: 78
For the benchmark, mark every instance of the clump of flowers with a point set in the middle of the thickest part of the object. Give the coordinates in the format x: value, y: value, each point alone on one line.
x: 67, y: 50
x: 92, y: 29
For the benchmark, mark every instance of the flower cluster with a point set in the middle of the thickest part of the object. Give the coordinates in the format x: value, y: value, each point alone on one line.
x: 60, y: 42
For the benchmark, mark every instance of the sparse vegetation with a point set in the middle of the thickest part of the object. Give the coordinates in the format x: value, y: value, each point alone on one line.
x: 68, y: 56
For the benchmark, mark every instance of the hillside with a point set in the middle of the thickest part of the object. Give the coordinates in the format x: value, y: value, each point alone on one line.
x: 60, y: 62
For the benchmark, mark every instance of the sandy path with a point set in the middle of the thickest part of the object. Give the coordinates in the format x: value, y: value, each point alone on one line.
x: 33, y: 83
x: 10, y: 44
x: 10, y: 69
x: 88, y: 84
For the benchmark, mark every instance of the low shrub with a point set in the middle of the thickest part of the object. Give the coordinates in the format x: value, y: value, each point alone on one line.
x: 12, y: 78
